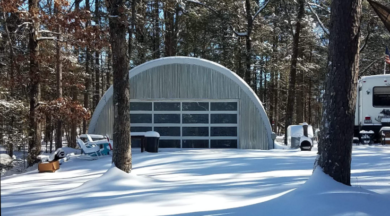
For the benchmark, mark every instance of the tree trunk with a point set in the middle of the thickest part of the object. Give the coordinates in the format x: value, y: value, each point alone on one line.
x: 122, y: 151
x: 108, y: 82
x: 88, y: 74
x: 340, y: 94
x: 260, y: 94
x: 299, y: 102
x: 293, y: 70
x: 96, y: 95
x: 156, y: 38
x: 248, y: 41
x: 58, y: 139
x: 34, y: 126
x: 309, y: 102
x: 73, y: 126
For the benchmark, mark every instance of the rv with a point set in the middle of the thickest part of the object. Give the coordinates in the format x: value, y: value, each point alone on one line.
x: 372, y: 105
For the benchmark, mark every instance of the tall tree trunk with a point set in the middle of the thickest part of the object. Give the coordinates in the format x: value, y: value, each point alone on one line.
x: 73, y: 125
x: 58, y: 139
x: 34, y: 131
x: 248, y: 41
x: 132, y: 26
x: 261, y: 79
x: 309, y: 101
x: 293, y: 70
x: 122, y: 151
x: 299, y: 99
x: 96, y: 95
x: 108, y: 77
x: 73, y: 130
x: 12, y: 85
x: 140, y: 33
x: 88, y: 73
x: 335, y: 146
x: 275, y: 83
x: 156, y: 38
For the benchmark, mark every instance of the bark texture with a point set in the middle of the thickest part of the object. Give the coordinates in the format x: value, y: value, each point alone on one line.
x: 122, y: 151
x: 340, y: 93
x: 58, y: 139
x: 34, y: 147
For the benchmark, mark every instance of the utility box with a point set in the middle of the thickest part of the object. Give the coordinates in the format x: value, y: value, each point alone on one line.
x: 152, y: 141
x: 300, y: 136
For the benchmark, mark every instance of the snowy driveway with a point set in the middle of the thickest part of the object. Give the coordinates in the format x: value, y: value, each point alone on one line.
x: 180, y: 182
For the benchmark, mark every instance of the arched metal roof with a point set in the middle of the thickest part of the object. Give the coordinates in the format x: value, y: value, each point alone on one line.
x: 192, y: 61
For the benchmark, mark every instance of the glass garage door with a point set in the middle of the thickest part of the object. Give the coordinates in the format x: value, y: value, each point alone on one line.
x: 187, y: 124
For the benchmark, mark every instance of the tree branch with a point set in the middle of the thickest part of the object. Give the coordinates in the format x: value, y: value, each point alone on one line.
x: 47, y: 31
x: 46, y: 38
x: 318, y: 20
x: 373, y: 62
x: 366, y: 39
x: 260, y: 9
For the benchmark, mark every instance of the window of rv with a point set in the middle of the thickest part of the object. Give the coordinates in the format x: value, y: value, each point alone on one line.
x: 381, y: 96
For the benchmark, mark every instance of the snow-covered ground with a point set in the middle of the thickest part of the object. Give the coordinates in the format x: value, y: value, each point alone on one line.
x: 204, y: 182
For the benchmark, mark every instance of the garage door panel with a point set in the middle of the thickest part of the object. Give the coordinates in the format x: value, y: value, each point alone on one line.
x: 195, y: 143
x: 195, y: 106
x: 223, y: 143
x: 188, y: 124
x: 224, y: 118
x: 195, y: 131
x: 169, y: 143
x: 166, y: 118
x: 168, y: 131
x: 223, y: 131
x: 195, y: 118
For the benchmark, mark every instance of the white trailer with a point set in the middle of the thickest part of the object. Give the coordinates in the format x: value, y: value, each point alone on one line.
x: 372, y: 104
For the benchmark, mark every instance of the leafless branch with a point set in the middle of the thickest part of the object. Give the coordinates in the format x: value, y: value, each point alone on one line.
x: 46, y: 38
x: 260, y: 9
x: 47, y: 31
x: 368, y: 67
x: 318, y: 20
x: 366, y: 39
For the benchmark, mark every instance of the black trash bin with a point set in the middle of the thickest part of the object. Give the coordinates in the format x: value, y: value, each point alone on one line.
x: 152, y: 140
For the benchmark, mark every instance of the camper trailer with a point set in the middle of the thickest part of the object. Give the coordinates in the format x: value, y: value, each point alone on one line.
x: 300, y: 136
x: 372, y: 105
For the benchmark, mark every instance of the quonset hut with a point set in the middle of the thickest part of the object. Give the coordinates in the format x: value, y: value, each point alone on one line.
x: 192, y: 103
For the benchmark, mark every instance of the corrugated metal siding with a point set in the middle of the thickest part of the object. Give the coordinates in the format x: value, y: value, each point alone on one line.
x: 182, y: 81
x: 105, y: 122
x: 253, y: 134
x: 185, y: 81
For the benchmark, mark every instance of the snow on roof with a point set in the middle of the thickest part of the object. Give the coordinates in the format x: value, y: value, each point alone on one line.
x: 366, y: 132
x: 385, y: 129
